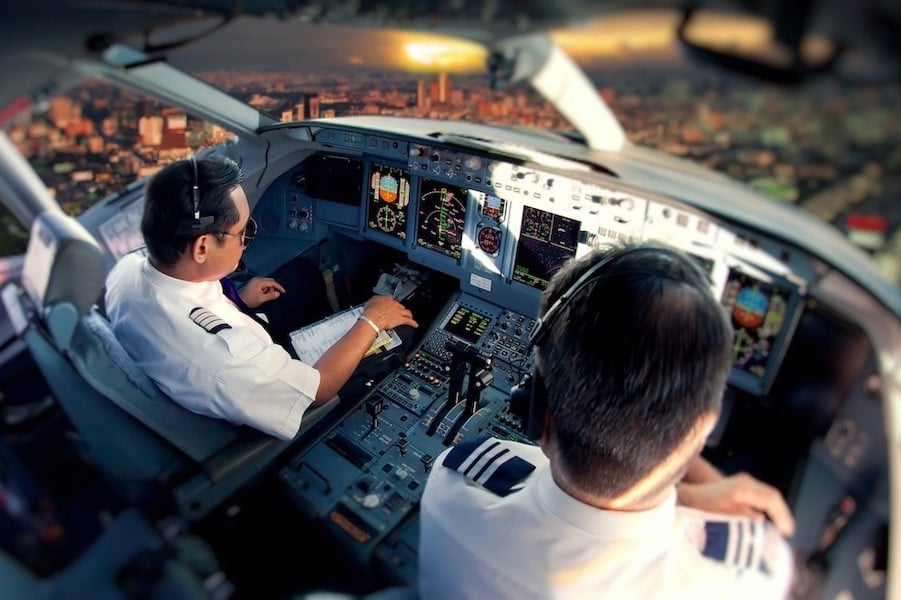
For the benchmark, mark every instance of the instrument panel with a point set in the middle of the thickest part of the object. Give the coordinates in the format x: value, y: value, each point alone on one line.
x: 504, y: 227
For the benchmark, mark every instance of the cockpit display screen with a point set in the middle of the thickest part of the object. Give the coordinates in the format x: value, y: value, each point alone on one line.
x: 761, y: 312
x: 467, y: 324
x: 492, y: 207
x: 442, y: 216
x: 546, y: 242
x: 389, y: 197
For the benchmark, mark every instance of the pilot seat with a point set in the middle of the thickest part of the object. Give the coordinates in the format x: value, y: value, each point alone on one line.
x: 148, y: 445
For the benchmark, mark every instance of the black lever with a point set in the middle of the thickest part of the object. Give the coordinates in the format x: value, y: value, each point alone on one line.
x: 457, y: 370
x: 478, y: 382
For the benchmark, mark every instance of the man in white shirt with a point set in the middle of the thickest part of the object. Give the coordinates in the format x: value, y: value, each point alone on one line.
x: 210, y: 353
x: 632, y: 356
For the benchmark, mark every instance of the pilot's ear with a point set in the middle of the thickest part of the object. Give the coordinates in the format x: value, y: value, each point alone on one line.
x: 199, y: 248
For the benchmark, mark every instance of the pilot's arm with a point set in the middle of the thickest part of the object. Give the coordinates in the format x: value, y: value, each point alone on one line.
x: 705, y: 488
x: 338, y: 363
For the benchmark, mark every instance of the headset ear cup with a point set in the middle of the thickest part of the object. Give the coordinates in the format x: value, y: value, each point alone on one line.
x: 528, y: 402
x: 521, y: 399
x: 534, y: 426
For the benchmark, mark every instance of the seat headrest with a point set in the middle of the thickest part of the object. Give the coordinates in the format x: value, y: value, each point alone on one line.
x: 63, y: 264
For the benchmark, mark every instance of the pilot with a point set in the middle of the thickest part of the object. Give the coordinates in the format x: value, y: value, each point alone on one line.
x: 208, y: 348
x: 632, y: 358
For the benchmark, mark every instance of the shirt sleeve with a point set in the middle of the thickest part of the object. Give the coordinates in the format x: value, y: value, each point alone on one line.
x: 260, y: 385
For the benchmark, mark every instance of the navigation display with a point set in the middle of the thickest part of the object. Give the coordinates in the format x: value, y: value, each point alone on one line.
x: 442, y: 215
x: 389, y: 197
x: 467, y: 324
x: 546, y: 242
x: 761, y: 313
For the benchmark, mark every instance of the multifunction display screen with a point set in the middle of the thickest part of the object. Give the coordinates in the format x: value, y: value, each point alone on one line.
x: 389, y: 197
x: 442, y: 216
x: 546, y: 242
x: 759, y: 312
x: 467, y: 324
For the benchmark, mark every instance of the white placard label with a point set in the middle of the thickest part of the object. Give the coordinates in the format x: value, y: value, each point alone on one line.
x: 480, y: 282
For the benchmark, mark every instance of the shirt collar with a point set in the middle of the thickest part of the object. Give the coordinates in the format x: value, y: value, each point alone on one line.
x: 204, y: 293
x: 609, y: 524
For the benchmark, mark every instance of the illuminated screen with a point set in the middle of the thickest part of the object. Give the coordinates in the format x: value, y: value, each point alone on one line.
x: 467, y: 324
x: 389, y: 196
x: 442, y: 214
x: 492, y: 207
x: 759, y: 311
x: 546, y: 241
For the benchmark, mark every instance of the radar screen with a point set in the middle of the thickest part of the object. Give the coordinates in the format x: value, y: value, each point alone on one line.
x: 761, y: 312
x: 467, y: 324
x: 442, y: 215
x: 546, y: 242
x: 389, y: 196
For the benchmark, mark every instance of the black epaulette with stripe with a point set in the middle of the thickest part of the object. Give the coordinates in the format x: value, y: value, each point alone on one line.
x: 207, y: 320
x: 738, y: 543
x: 487, y: 462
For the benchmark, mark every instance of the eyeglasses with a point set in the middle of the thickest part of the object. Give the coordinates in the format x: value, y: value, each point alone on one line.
x: 246, y: 236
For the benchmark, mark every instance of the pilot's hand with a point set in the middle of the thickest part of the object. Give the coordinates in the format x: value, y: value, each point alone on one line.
x: 739, y: 494
x: 386, y: 312
x: 259, y: 290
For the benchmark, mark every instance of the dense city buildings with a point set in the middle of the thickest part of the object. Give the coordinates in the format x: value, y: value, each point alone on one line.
x: 832, y: 151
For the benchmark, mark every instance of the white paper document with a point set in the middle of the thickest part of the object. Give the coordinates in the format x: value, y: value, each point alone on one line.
x: 311, y: 342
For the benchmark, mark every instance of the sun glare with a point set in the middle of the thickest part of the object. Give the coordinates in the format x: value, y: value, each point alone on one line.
x: 443, y: 54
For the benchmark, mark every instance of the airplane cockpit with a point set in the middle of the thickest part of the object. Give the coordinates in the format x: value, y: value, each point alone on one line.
x: 466, y: 223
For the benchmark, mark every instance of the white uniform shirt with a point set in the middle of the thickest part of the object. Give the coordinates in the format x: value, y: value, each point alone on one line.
x: 506, y: 530
x: 204, y: 352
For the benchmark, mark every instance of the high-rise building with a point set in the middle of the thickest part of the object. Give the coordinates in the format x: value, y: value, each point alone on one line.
x: 311, y: 104
x: 308, y: 108
x: 151, y: 130
x: 175, y: 126
x: 422, y: 94
x: 444, y: 87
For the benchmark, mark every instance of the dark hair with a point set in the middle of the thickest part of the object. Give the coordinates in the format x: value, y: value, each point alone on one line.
x: 631, y: 364
x: 169, y: 204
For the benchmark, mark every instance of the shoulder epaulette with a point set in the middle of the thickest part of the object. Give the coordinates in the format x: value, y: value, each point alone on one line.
x: 487, y: 462
x: 207, y: 320
x: 738, y: 543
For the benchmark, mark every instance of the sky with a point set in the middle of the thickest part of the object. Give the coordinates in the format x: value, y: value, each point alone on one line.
x: 251, y: 43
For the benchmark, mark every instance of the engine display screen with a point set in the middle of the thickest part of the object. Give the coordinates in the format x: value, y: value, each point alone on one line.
x: 467, y: 324
x: 760, y: 313
x: 442, y: 216
x: 546, y: 242
x: 492, y: 207
x: 389, y: 197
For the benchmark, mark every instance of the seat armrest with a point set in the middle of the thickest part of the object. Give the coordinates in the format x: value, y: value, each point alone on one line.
x: 253, y: 444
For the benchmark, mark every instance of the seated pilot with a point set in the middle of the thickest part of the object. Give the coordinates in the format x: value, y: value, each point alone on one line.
x: 632, y: 357
x: 208, y: 346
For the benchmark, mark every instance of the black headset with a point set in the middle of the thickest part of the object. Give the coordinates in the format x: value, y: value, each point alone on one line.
x: 528, y: 399
x: 197, y: 222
